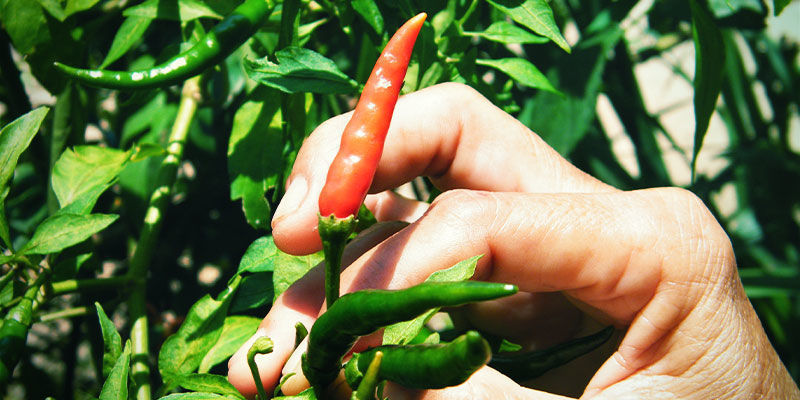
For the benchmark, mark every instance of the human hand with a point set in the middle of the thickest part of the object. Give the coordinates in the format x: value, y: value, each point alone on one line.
x: 654, y: 261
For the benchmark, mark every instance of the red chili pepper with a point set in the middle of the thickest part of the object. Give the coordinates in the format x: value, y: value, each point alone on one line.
x: 350, y: 175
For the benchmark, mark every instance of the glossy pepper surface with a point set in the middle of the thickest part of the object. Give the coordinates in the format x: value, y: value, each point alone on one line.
x: 363, y: 312
x: 424, y: 366
x: 217, y: 44
x: 350, y: 175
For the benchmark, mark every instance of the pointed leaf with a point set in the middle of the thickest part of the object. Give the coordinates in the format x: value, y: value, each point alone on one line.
x: 508, y: 33
x: 209, y: 383
x: 300, y: 70
x: 254, y: 154
x: 74, y: 6
x: 370, y: 12
x: 522, y: 71
x: 86, y: 169
x: 709, y: 53
x: 235, y: 331
x: 112, y: 343
x: 195, y: 396
x: 15, y: 138
x: 128, y: 34
x: 182, y: 353
x: 60, y: 231
x: 116, y: 386
x: 534, y: 14
x: 182, y: 10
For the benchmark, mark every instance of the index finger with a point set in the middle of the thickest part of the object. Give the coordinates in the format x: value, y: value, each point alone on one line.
x: 448, y: 132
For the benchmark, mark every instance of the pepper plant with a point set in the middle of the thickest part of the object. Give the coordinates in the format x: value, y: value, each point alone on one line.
x: 134, y: 220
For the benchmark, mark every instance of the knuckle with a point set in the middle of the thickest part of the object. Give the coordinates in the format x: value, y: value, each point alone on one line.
x: 702, y: 237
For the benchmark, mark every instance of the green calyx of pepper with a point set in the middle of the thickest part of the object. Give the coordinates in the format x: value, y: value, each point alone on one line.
x: 334, y: 232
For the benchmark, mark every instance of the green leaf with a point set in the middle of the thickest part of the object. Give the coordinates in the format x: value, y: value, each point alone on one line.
x: 74, y: 6
x: 209, y: 383
x: 112, y: 343
x: 116, y: 386
x: 194, y: 396
x: 235, y: 331
x: 307, y: 394
x: 508, y: 33
x: 254, y: 154
x: 709, y: 51
x: 779, y: 5
x: 60, y: 231
x: 25, y: 23
x: 370, y: 12
x: 289, y: 268
x: 5, y: 233
x: 255, y: 291
x: 181, y: 10
x: 521, y: 71
x: 261, y: 256
x: 144, y: 151
x: 507, y: 347
x: 300, y: 70
x: 182, y: 353
x: 53, y: 7
x: 534, y: 14
x: 564, y: 120
x: 86, y: 169
x: 128, y: 34
x: 14, y: 139
x: 404, y: 332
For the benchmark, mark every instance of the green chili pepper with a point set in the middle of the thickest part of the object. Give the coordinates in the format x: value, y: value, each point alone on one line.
x: 520, y: 367
x: 363, y: 312
x: 14, y: 330
x: 424, y: 366
x: 12, y: 342
x: 217, y: 44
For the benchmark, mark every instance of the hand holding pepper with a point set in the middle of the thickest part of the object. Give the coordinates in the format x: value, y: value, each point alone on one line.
x: 653, y: 261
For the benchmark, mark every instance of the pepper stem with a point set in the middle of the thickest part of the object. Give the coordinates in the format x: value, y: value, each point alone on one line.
x: 366, y: 389
x: 262, y: 345
x: 334, y: 232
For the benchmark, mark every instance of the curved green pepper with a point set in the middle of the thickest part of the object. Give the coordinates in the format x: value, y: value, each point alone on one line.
x: 363, y: 312
x: 13, y: 333
x: 217, y: 44
x: 520, y: 367
x: 424, y: 366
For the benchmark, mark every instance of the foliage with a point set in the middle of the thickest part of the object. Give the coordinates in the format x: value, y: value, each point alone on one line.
x: 129, y: 212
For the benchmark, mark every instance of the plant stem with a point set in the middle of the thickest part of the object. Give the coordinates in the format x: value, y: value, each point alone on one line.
x: 262, y: 345
x: 67, y: 313
x: 471, y: 9
x: 334, y: 233
x: 143, y: 253
x: 81, y: 285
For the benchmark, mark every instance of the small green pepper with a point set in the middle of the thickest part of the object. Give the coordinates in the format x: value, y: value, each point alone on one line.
x: 363, y: 312
x: 220, y: 42
x: 524, y: 366
x: 424, y: 366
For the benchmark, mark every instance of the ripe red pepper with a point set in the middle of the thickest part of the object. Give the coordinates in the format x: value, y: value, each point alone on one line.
x: 350, y: 175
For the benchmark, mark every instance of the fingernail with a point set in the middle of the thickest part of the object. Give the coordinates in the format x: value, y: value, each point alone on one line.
x: 293, y: 197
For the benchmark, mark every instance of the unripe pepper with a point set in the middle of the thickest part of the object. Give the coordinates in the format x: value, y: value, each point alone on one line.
x: 350, y: 175
x: 219, y: 43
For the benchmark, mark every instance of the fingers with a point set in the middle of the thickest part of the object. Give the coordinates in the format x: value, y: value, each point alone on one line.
x: 300, y: 303
x: 448, y: 132
x: 644, y: 258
